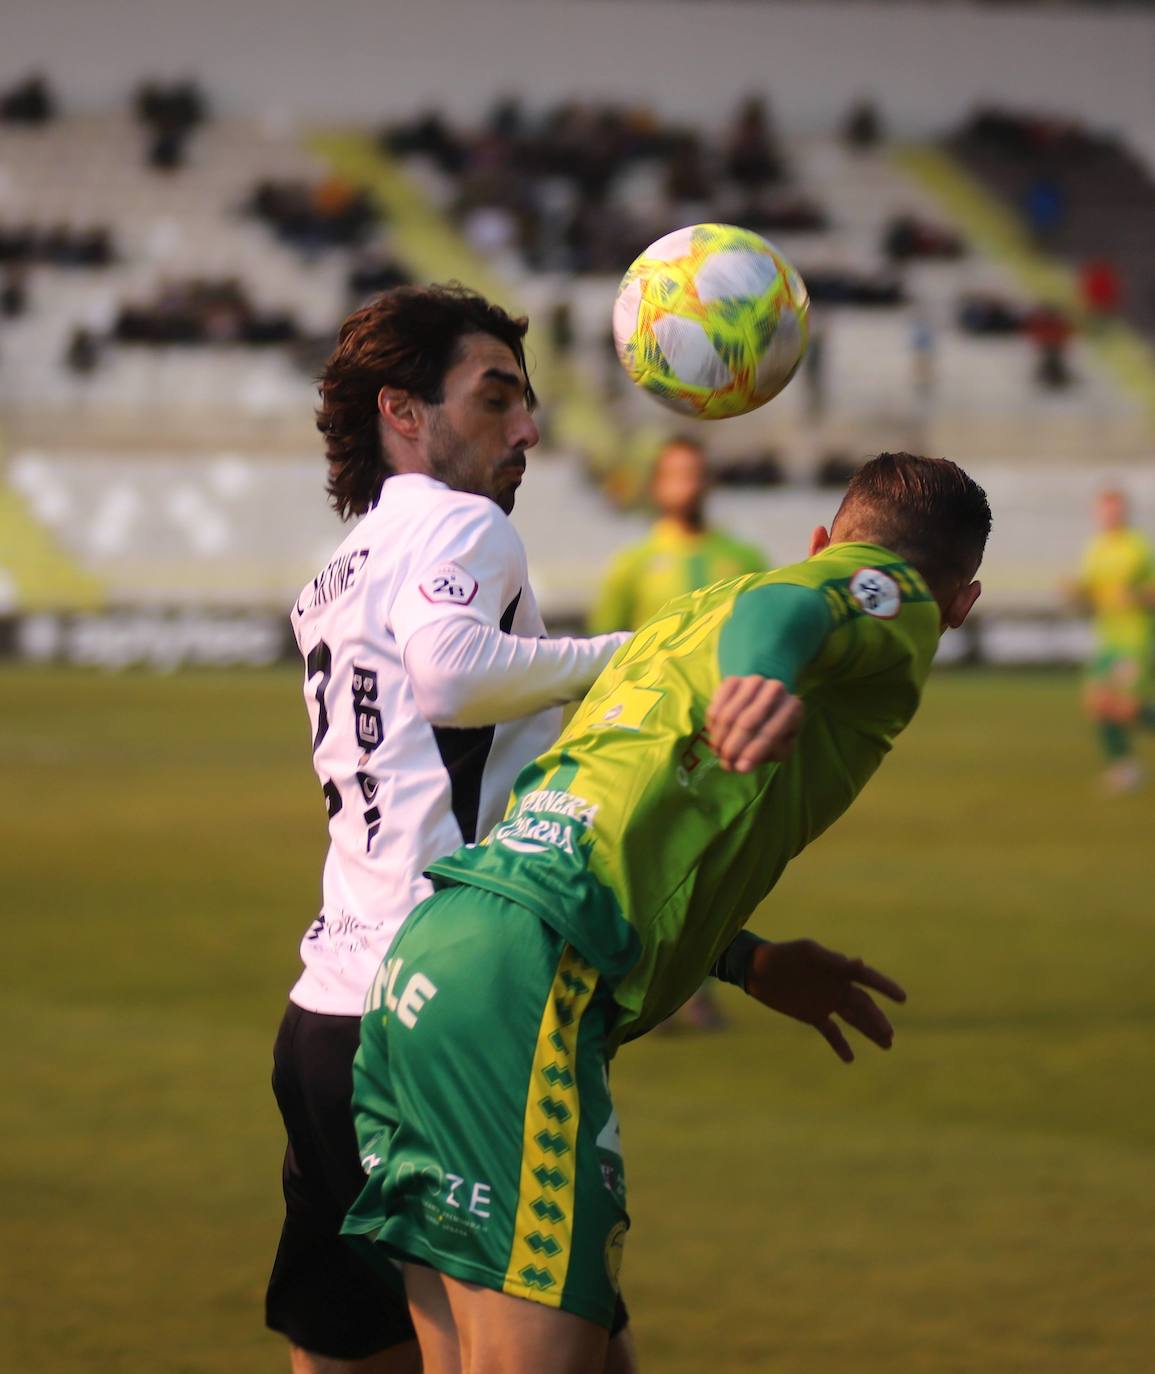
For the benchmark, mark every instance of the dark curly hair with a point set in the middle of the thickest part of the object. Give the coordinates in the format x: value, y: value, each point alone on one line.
x: 408, y: 338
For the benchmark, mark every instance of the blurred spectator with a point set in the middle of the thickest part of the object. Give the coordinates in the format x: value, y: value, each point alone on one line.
x: 201, y: 311
x: 782, y: 212
x: 814, y: 376
x: 907, y: 237
x: 751, y: 151
x: 82, y: 356
x: 1046, y: 208
x: 863, y: 129
x: 584, y: 187
x: 1050, y: 331
x: 60, y: 245
x: 374, y: 270
x: 427, y: 136
x: 838, y: 287
x: 688, y: 178
x: 314, y: 219
x: 1101, y: 289
x: 170, y: 113
x: 559, y: 323
x: 986, y: 313
x: 28, y: 102
x: 922, y: 353
x: 1029, y: 137
x: 13, y: 292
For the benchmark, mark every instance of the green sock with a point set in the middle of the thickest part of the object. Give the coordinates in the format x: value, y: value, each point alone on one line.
x: 1114, y: 740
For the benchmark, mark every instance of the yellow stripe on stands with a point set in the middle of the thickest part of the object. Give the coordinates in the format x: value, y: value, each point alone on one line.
x: 543, y: 1226
x: 43, y: 574
x: 433, y: 250
x: 996, y: 229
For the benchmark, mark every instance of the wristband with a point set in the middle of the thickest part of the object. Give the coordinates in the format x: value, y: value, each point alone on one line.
x: 733, y: 964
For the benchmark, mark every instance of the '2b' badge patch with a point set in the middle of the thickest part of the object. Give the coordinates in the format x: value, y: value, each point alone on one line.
x: 876, y: 592
x: 449, y: 582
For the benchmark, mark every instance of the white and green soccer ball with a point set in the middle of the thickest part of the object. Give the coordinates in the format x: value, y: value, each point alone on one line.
x: 711, y: 320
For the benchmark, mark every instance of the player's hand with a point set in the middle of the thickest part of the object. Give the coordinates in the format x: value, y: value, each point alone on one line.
x: 802, y: 979
x: 753, y: 720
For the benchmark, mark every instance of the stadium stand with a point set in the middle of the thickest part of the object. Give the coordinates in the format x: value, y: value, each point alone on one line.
x: 156, y: 389
x: 1091, y: 199
x: 177, y: 228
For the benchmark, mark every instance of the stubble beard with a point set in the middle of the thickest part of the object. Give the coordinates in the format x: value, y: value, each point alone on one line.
x: 452, y: 461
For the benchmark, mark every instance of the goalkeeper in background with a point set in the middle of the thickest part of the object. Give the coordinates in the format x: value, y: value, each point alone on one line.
x: 681, y: 554
x: 1117, y: 582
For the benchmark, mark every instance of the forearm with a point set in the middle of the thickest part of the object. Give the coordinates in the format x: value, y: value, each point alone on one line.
x: 465, y: 673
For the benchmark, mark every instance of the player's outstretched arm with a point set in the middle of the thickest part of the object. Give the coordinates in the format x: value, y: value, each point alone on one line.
x: 804, y: 980
x: 465, y: 673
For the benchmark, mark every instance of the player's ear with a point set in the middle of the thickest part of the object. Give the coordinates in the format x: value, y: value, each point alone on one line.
x: 398, y: 410
x: 962, y: 604
x: 819, y: 539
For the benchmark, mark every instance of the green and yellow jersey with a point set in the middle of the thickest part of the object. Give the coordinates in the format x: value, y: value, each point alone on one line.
x: 669, y: 563
x: 1118, y: 579
x: 629, y: 838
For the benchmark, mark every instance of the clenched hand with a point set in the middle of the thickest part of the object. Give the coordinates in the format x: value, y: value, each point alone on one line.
x: 753, y: 720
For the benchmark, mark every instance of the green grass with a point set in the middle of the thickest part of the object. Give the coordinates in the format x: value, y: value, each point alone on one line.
x: 980, y: 1199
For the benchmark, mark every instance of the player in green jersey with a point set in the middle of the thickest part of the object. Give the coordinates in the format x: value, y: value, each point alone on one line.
x: 725, y: 736
x: 1117, y: 582
x: 681, y: 553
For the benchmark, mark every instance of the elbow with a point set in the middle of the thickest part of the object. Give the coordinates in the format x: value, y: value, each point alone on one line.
x: 443, y: 699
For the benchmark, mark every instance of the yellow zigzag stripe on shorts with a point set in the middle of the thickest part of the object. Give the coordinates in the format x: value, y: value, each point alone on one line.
x: 543, y: 1227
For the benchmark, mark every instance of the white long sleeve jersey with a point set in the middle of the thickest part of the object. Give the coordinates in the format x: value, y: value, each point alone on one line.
x: 429, y: 685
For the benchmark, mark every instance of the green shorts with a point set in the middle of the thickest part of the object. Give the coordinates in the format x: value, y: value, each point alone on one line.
x: 483, y: 1112
x: 1122, y: 670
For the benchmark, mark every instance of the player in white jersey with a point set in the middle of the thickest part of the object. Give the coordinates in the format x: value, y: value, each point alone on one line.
x: 429, y: 684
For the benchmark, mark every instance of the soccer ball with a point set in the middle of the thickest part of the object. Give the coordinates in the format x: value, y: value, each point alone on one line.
x: 711, y: 320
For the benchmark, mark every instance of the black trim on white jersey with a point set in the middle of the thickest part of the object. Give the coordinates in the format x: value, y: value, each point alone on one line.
x: 464, y: 754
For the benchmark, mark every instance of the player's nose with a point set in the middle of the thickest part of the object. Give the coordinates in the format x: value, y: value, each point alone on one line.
x: 526, y: 432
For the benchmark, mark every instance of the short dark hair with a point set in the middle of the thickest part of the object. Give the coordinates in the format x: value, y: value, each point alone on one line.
x: 927, y: 510
x: 408, y: 337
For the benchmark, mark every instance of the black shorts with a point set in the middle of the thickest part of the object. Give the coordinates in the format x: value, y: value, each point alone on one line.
x: 321, y: 1294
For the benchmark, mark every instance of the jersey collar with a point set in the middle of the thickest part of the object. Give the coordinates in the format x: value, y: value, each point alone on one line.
x: 876, y: 556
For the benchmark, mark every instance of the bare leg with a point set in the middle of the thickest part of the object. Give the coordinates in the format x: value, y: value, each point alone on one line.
x: 500, y: 1334
x: 398, y: 1359
x: 621, y: 1357
x: 433, y: 1319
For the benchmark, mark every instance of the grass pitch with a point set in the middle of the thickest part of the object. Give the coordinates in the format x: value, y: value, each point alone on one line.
x: 980, y: 1199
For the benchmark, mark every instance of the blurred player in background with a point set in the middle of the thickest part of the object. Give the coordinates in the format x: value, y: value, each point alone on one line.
x: 731, y: 731
x: 681, y: 554
x: 1117, y: 581
x: 429, y: 684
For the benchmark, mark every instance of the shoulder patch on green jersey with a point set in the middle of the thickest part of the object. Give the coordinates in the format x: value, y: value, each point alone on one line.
x: 876, y: 589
